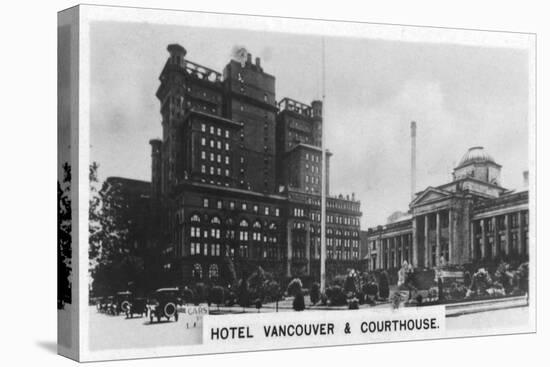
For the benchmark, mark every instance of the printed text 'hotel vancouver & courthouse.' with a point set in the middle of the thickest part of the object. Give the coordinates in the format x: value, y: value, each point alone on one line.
x: 237, y: 175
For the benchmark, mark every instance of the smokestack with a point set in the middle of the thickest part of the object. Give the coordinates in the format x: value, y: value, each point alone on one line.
x: 526, y: 179
x: 413, y: 159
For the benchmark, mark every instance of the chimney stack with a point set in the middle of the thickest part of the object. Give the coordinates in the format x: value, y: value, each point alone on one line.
x: 526, y: 179
x: 249, y: 59
x: 413, y: 159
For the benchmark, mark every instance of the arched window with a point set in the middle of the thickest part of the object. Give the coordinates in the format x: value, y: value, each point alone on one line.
x: 273, y: 227
x: 197, y: 271
x: 213, y: 272
x: 215, y: 220
x: 243, y: 223
x: 196, y: 218
x: 257, y: 225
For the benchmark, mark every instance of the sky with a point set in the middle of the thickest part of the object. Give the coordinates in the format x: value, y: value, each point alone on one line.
x: 460, y: 96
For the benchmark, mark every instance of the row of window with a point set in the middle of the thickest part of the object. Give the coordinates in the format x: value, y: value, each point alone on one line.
x: 267, y: 210
x: 215, y: 157
x: 215, y: 130
x: 215, y: 144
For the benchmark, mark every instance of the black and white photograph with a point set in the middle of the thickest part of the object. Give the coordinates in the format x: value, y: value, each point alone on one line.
x: 239, y: 168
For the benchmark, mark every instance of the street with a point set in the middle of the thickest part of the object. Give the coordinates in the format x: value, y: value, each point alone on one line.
x: 118, y: 332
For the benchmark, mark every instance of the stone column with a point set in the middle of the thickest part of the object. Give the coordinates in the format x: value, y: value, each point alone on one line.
x: 507, y: 236
x: 289, y: 248
x: 308, y: 249
x: 427, y: 260
x: 521, y: 240
x: 472, y: 255
x: 437, y: 239
x: 483, y: 238
x: 414, y: 242
x: 394, y: 245
x: 451, y: 236
x: 403, y: 256
x: 496, y: 243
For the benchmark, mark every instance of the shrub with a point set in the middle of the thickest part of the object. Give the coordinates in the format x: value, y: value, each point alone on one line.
x: 354, y: 304
x: 258, y: 304
x: 349, y: 284
x: 244, y: 294
x: 315, y: 293
x: 188, y: 295
x: 217, y: 295
x: 294, y: 287
x: 336, y: 296
x: 200, y: 293
x: 298, y: 304
x: 384, y: 286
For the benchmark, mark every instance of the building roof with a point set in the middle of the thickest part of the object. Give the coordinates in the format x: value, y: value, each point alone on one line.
x: 476, y: 155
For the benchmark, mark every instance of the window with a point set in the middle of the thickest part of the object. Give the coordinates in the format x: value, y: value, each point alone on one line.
x: 211, y: 129
x: 277, y: 212
x: 226, y: 146
x: 211, y: 143
x: 243, y: 206
x: 203, y: 127
x: 226, y: 159
x: 205, y: 202
x: 231, y: 205
x: 197, y: 271
x: 219, y: 158
x: 203, y: 141
x: 211, y: 170
x: 203, y: 168
x: 211, y: 157
x: 219, y: 132
x: 213, y: 271
x: 266, y: 210
x: 203, y: 154
x: 219, y: 144
x: 219, y: 205
x: 227, y: 133
x: 255, y: 208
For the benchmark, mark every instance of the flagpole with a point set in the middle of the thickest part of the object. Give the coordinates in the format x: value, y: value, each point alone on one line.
x: 323, y: 180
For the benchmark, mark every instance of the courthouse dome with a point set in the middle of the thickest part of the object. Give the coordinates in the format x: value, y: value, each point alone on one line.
x: 476, y: 155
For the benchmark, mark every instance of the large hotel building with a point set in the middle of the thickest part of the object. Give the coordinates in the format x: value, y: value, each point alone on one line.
x: 237, y: 175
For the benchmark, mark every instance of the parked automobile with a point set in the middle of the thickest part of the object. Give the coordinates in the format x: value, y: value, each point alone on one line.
x: 137, y: 306
x: 163, y: 303
x: 121, y: 302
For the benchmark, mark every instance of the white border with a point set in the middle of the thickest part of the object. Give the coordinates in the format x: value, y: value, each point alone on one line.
x: 89, y: 13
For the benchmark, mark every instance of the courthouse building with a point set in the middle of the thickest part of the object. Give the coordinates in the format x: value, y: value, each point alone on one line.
x: 236, y: 177
x: 472, y: 219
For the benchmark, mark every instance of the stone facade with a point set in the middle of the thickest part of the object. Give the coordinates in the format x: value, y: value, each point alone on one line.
x: 471, y: 219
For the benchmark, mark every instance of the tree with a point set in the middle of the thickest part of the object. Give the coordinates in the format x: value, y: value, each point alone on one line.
x: 114, y: 261
x: 64, y: 238
x: 273, y: 291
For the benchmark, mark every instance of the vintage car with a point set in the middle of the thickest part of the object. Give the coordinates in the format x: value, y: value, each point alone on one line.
x: 121, y: 302
x: 137, y: 306
x: 164, y: 303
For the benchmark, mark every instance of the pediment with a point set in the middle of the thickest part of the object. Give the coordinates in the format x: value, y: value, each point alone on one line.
x: 429, y: 195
